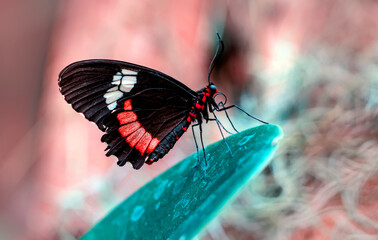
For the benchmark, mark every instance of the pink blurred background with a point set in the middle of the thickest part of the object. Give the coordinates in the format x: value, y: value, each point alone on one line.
x: 310, y: 66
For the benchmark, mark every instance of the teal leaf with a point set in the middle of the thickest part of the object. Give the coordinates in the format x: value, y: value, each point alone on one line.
x: 181, y: 201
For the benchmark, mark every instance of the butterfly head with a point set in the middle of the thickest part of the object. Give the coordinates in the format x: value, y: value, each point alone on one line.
x: 212, y: 89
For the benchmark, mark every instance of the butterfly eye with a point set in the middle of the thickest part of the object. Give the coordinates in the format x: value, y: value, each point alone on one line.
x: 213, y: 89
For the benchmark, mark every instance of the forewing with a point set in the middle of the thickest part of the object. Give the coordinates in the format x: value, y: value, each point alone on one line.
x: 95, y: 87
x: 136, y: 106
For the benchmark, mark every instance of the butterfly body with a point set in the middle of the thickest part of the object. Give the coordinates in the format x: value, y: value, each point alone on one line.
x: 143, y: 112
x: 197, y: 113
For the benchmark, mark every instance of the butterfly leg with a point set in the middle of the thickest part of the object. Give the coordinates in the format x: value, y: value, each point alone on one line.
x: 218, y: 122
x: 228, y: 117
x: 220, y: 129
x: 195, y: 141
x: 203, y: 147
x: 236, y: 106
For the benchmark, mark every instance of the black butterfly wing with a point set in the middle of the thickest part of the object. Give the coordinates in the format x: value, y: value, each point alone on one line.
x: 135, y: 106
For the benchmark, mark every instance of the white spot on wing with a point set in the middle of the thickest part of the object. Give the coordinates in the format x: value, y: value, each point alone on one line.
x: 117, y: 77
x: 126, y: 87
x: 113, y: 89
x: 129, y: 80
x: 128, y: 72
x: 112, y: 106
x: 112, y: 96
x: 116, y: 82
x: 124, y: 81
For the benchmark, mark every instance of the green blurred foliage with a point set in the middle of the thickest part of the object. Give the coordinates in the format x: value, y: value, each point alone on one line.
x: 179, y: 202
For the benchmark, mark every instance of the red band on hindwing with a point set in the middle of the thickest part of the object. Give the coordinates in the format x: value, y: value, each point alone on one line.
x: 133, y: 131
x: 126, y: 117
x: 153, y: 144
x: 143, y: 143
x: 134, y: 138
x: 127, y: 105
x: 128, y: 129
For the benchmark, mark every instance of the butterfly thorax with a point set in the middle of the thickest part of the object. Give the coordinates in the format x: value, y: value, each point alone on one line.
x: 204, y: 103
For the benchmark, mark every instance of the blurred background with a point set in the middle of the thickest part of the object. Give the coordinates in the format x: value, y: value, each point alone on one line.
x: 309, y: 66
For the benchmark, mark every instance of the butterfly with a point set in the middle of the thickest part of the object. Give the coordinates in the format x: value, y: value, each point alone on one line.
x: 142, y: 112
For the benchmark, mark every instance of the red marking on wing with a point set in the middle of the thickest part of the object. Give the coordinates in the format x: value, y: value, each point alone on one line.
x: 204, y: 98
x: 128, y: 129
x: 127, y: 105
x: 133, y: 139
x: 153, y: 144
x: 143, y: 143
x: 126, y: 117
x: 184, y: 128
x: 189, y: 119
x: 133, y: 131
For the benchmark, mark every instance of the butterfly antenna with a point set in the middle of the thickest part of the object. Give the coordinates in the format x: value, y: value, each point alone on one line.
x: 216, y: 57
